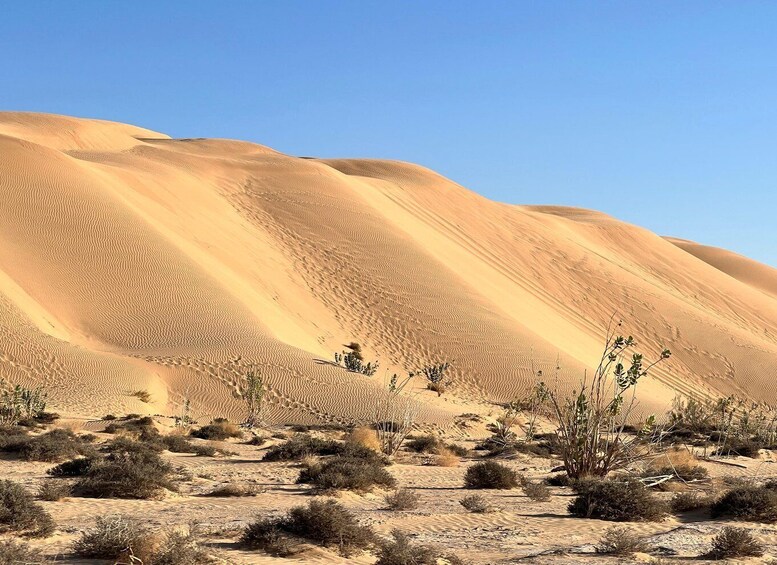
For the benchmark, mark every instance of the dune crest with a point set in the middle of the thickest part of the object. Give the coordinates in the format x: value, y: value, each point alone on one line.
x: 132, y: 261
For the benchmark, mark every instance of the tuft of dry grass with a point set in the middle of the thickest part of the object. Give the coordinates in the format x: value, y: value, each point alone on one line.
x: 235, y: 490
x: 364, y: 437
x: 446, y: 458
x: 142, y: 395
x: 621, y: 542
x: 401, y: 499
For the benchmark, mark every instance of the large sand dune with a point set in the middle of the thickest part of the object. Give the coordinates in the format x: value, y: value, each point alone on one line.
x: 132, y: 261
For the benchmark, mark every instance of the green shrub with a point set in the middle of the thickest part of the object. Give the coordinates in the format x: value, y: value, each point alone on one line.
x: 346, y: 473
x: 325, y: 523
x: 735, y: 542
x: 747, y: 503
x: 20, y: 514
x: 617, y: 501
x: 301, y: 446
x: 490, y: 475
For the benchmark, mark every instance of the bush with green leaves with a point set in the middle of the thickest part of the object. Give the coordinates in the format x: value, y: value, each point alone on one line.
x: 436, y: 376
x: 325, y: 523
x: 490, y: 475
x: 353, y: 360
x: 20, y: 514
x: 735, y: 542
x: 346, y: 473
x: 253, y: 391
x: 748, y: 503
x: 616, y: 501
x: 74, y: 468
x: 301, y: 446
x: 19, y: 402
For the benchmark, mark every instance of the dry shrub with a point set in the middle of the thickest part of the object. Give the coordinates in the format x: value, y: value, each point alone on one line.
x: 116, y: 537
x: 621, y: 542
x: 20, y: 513
x: 747, y: 503
x: 300, y: 446
x: 735, y: 542
x: 73, y: 468
x: 617, y: 501
x: 235, y: 489
x: 52, y: 446
x: 52, y: 491
x: 181, y: 548
x: 446, y: 458
x: 490, y: 475
x: 559, y: 480
x: 538, y: 492
x: 347, y: 473
x: 477, y: 504
x: 17, y: 553
x: 399, y: 551
x: 401, y: 499
x: 424, y: 444
x: 689, y: 501
x: 325, y: 523
x: 219, y: 429
x: 364, y: 437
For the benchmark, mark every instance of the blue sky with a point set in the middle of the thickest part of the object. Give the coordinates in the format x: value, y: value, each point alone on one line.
x: 660, y: 113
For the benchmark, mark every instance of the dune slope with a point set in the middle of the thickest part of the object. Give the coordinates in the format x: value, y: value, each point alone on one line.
x: 131, y: 261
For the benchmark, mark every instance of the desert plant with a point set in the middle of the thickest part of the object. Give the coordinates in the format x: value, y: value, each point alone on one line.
x: 394, y: 416
x: 353, y: 360
x: 401, y: 499
x: 490, y: 475
x: 53, y: 491
x: 73, y: 468
x: 180, y: 548
x: 446, y: 458
x: 436, y: 378
x: 253, y: 392
x: 400, y: 551
x: 424, y: 444
x: 621, y: 542
x: 591, y: 421
x: 115, y: 537
x: 142, y: 395
x: 51, y: 446
x: 749, y: 503
x: 476, y: 503
x: 346, y: 473
x: 363, y: 436
x: 324, y: 523
x: 20, y: 514
x: 234, y: 490
x: 616, y: 501
x: 14, y: 552
x: 219, y: 429
x: 689, y: 501
x: 20, y: 402
x: 538, y: 492
x: 300, y: 446
x: 733, y: 542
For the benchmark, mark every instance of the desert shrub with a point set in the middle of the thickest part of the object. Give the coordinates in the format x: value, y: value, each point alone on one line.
x: 399, y: 551
x: 364, y: 437
x: 538, y: 492
x: 130, y: 470
x: 219, y: 430
x: 52, y: 491
x: 689, y: 501
x: 300, y: 446
x: 735, y: 542
x: 234, y: 490
x: 325, y: 523
x: 178, y: 444
x: 424, y: 444
x: 617, y: 501
x: 142, y: 395
x: 73, y: 468
x: 347, y: 473
x: 116, y: 537
x: 256, y: 440
x: 109, y: 417
x: 208, y: 451
x: 446, y: 458
x: 558, y: 480
x: 436, y: 377
x: 19, y: 402
x: 682, y: 472
x: 621, y: 542
x: 180, y: 548
x: 747, y: 503
x: 401, y: 499
x: 744, y: 447
x: 491, y: 475
x: 14, y: 552
x: 19, y: 513
x: 252, y: 391
x: 353, y: 360
x: 51, y: 446
x: 476, y: 503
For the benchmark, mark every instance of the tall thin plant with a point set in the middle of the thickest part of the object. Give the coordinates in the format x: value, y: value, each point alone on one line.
x: 253, y: 392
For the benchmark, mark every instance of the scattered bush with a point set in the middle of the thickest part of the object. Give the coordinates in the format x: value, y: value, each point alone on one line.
x: 424, y: 444
x: 476, y: 503
x: 401, y: 499
x: 20, y: 402
x: 130, y: 470
x: 300, y: 446
x: 689, y: 501
x: 20, y: 514
x: 621, y: 542
x: 490, y: 475
x: 747, y: 503
x: 399, y: 551
x: 446, y: 458
x: 17, y: 553
x: 52, y: 491
x: 116, y: 537
x: 364, y: 437
x: 142, y: 395
x: 558, y: 480
x: 253, y: 391
x: 347, y: 473
x: 180, y: 548
x: 537, y: 492
x: 52, y: 446
x: 735, y: 542
x: 234, y: 489
x: 617, y: 501
x: 435, y: 375
x: 219, y: 430
x: 73, y: 468
x: 325, y: 523
x: 353, y: 360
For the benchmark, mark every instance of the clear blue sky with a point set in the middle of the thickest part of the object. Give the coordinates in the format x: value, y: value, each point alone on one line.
x: 660, y: 113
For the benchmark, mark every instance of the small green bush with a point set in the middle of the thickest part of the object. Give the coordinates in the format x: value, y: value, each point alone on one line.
x: 73, y: 468
x: 747, y: 503
x: 490, y: 475
x: 20, y: 514
x: 346, y: 473
x: 617, y: 501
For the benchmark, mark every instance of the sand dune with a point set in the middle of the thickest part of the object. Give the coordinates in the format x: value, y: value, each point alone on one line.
x: 132, y: 261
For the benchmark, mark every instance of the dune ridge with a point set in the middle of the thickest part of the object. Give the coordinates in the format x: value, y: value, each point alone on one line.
x: 133, y: 261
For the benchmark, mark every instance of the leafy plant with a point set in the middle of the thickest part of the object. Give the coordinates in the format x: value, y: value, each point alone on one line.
x: 253, y: 392
x: 21, y: 402
x: 353, y: 360
x: 436, y: 377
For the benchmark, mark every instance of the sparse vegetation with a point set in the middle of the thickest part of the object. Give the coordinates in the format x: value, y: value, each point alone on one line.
x: 436, y: 377
x: 537, y: 492
x: 689, y: 501
x: 19, y: 402
x: 20, y: 514
x: 400, y: 551
x: 52, y: 491
x: 13, y: 552
x: 748, y: 503
x: 353, y: 360
x: 234, y: 490
x: 73, y: 468
x: 394, y: 417
x: 347, y: 473
x: 324, y: 523
x: 490, y: 475
x: 142, y: 395
x: 253, y: 391
x: 735, y: 542
x: 617, y: 501
x: 401, y: 499
x: 476, y: 503
x: 116, y: 537
x: 219, y: 429
x: 51, y: 446
x: 621, y: 542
